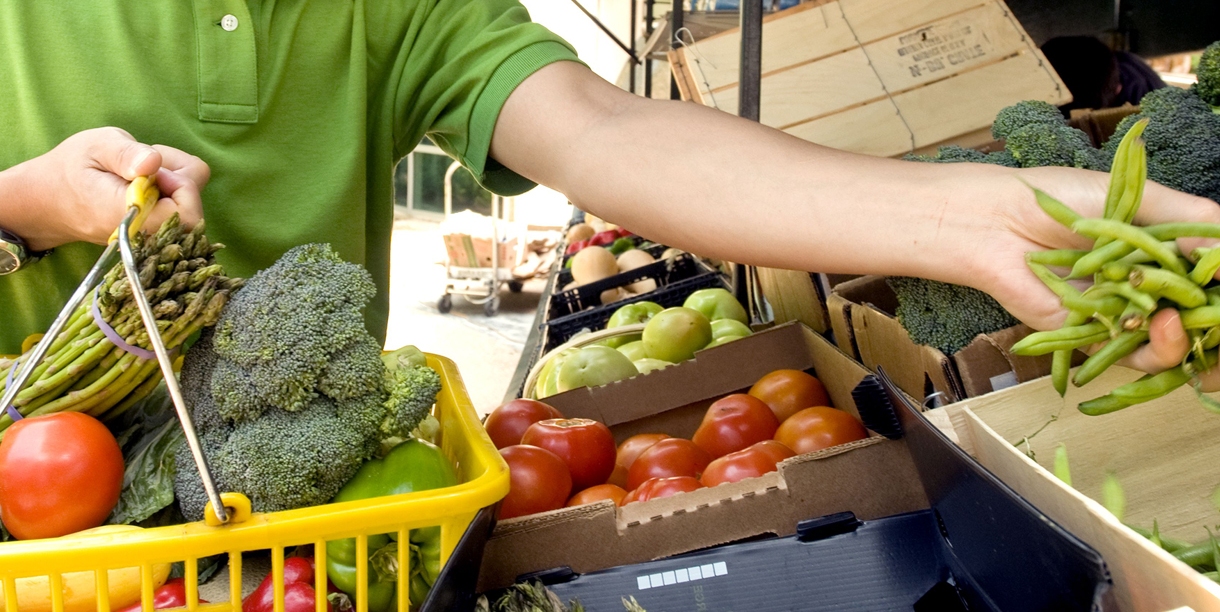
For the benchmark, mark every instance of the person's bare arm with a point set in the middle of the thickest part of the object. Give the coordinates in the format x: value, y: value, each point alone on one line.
x: 705, y: 181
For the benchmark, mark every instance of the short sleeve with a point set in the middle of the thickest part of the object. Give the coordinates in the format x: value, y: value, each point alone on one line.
x: 452, y: 68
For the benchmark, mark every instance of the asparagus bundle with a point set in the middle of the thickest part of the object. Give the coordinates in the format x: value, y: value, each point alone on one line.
x: 84, y: 370
x: 1137, y: 271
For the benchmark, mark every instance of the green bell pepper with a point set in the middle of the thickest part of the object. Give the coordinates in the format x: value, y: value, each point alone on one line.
x: 414, y: 465
x: 620, y: 246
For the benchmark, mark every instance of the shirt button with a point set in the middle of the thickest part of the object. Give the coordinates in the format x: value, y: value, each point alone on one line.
x: 229, y: 23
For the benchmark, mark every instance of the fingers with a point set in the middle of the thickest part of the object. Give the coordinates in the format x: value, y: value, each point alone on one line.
x: 184, y: 164
x: 179, y: 194
x: 115, y: 151
x: 1167, y: 344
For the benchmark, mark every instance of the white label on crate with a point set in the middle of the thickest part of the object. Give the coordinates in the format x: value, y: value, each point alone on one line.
x: 690, y: 574
x: 1004, y: 381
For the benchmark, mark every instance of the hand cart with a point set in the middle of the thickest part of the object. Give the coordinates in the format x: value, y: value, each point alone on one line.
x: 480, y: 280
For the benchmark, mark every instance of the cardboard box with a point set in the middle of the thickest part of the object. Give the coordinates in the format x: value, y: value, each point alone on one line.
x: 862, y: 317
x: 880, y: 77
x: 465, y: 251
x: 673, y: 401
x: 1164, y: 453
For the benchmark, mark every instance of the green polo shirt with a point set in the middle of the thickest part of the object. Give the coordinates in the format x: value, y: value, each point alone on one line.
x: 300, y: 108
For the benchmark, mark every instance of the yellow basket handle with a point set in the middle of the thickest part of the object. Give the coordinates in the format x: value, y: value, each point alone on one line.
x: 236, y: 504
x: 142, y: 194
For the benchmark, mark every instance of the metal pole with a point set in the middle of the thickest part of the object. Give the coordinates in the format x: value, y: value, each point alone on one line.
x: 749, y: 85
x: 631, y: 43
x: 675, y: 26
x: 648, y: 4
x: 628, y: 50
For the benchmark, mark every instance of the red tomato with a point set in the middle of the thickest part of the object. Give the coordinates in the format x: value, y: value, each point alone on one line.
x: 790, y: 391
x: 538, y: 481
x: 749, y: 463
x: 667, y: 458
x: 507, y: 424
x: 59, y: 474
x: 600, y: 492
x: 628, y: 451
x: 733, y: 423
x: 814, y: 429
x: 584, y: 444
x: 656, y: 488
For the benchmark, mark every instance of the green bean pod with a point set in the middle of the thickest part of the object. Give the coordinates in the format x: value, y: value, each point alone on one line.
x: 1119, y: 169
x: 1062, y: 258
x: 1055, y: 209
x: 1111, y: 306
x: 1211, y: 338
x: 1140, y: 257
x: 1207, y: 266
x: 1092, y: 263
x: 1133, y: 236
x: 1153, y: 386
x: 1067, y: 338
x: 1173, y: 231
x: 1052, y: 281
x: 1136, y: 175
x: 1061, y: 360
x: 1116, y: 271
x: 1203, y: 317
x: 1167, y: 284
x: 1144, y: 301
x: 1197, y: 555
x: 1104, y: 405
x: 1121, y: 346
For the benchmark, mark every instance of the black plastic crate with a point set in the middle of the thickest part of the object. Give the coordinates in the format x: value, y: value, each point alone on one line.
x: 565, y: 273
x: 675, y: 282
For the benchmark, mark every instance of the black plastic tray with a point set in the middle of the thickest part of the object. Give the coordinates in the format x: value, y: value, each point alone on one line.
x: 565, y: 273
x: 979, y: 546
x: 676, y: 279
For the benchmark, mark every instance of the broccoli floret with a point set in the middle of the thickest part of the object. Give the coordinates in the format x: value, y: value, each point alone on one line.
x: 413, y: 391
x: 1037, y: 145
x: 188, y: 487
x: 945, y: 316
x: 1182, y: 138
x: 1208, y: 73
x: 353, y: 371
x: 1003, y: 158
x: 1025, y: 113
x: 288, y: 460
x: 952, y: 154
x: 196, y: 384
x: 288, y: 321
x: 234, y: 393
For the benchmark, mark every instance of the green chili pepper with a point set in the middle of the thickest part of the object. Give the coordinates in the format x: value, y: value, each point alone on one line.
x: 1121, y: 346
x: 1133, y: 236
x: 1167, y: 284
x: 413, y: 465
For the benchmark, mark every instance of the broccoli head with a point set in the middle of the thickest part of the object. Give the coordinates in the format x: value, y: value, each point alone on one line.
x: 284, y: 326
x: 1038, y: 145
x: 1025, y: 113
x: 945, y: 316
x: 290, y: 392
x: 1208, y: 72
x: 952, y: 154
x: 188, y: 487
x: 1182, y: 138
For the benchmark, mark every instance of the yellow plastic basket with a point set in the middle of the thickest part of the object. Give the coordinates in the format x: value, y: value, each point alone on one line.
x: 484, y: 478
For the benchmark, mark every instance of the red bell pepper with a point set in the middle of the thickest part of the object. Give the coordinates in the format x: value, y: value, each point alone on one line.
x: 603, y: 238
x: 172, y: 594
x: 575, y: 247
x: 299, y: 595
x: 622, y: 233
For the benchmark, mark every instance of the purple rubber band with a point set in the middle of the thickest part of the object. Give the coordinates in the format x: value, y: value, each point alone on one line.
x: 114, y: 336
x: 12, y: 412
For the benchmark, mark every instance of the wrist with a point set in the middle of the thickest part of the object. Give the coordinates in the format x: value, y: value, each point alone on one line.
x: 23, y: 209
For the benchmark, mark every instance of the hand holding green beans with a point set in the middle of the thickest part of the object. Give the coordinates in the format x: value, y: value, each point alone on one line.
x: 1136, y: 275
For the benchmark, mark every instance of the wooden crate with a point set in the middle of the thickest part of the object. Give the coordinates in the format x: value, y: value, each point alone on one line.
x: 881, y: 77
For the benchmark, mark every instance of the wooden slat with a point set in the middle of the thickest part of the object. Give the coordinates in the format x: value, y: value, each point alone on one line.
x: 875, y: 129
x: 876, y: 19
x: 811, y: 90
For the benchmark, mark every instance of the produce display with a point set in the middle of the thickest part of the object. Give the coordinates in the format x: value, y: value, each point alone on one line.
x: 556, y: 462
x: 708, y: 318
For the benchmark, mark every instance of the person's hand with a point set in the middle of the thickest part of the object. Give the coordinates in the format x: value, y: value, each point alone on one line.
x: 77, y: 191
x: 1020, y: 226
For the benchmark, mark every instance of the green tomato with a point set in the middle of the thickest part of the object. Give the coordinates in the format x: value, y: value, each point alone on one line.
x: 594, y: 366
x: 618, y: 341
x: 730, y: 327
x: 634, y: 350
x: 723, y: 340
x: 647, y: 365
x: 675, y: 334
x: 631, y: 314
x: 551, y: 385
x: 717, y: 304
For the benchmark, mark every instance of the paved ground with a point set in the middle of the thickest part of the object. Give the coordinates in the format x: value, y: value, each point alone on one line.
x: 486, y: 349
